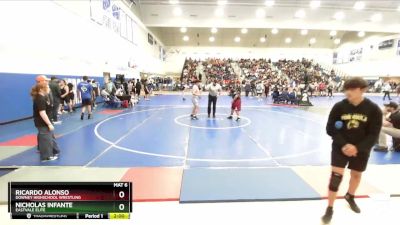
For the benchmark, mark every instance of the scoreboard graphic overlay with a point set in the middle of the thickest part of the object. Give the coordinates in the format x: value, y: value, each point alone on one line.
x: 70, y: 200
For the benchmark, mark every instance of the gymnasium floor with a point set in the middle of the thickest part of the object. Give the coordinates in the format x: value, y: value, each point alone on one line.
x: 275, y: 153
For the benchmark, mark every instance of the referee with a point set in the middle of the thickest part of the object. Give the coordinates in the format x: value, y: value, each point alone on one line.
x: 354, y: 125
x: 214, y: 89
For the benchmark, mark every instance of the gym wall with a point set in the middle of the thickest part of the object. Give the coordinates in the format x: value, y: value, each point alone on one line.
x: 60, y: 38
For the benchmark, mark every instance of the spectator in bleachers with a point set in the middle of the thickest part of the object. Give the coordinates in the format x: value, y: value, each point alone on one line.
x: 292, y: 98
x: 302, y: 74
x: 275, y: 95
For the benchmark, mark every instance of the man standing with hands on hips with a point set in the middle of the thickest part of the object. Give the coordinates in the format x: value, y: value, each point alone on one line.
x: 214, y: 89
x: 354, y: 125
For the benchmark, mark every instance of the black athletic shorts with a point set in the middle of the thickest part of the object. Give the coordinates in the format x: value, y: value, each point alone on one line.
x: 65, y: 100
x: 86, y: 102
x: 358, y: 163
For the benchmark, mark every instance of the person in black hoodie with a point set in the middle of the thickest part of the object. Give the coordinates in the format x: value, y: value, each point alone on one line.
x: 354, y: 125
x: 138, y: 88
x: 55, y: 92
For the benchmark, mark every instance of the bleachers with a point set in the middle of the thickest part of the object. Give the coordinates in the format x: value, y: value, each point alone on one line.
x: 283, y: 73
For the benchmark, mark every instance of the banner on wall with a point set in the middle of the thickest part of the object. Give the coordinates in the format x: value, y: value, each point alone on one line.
x: 398, y: 47
x: 386, y: 44
x: 106, y: 13
x: 150, y: 39
x: 335, y: 57
x: 356, y: 54
x: 162, y: 53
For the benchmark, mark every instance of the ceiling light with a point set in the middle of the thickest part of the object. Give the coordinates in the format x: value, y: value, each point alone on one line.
x: 274, y: 31
x: 377, y: 17
x: 288, y: 40
x: 219, y: 12
x: 339, y: 16
x: 304, y: 32
x: 177, y: 11
x: 269, y: 3
x: 300, y: 14
x: 398, y: 8
x: 313, y: 40
x: 361, y: 34
x: 221, y: 2
x: 237, y: 39
x: 244, y: 31
x: 337, y: 41
x: 260, y: 13
x: 359, y: 5
x: 263, y: 39
x: 214, y: 30
x: 211, y: 39
x: 315, y: 4
x: 173, y: 2
x: 333, y: 33
x: 183, y: 29
x: 185, y: 38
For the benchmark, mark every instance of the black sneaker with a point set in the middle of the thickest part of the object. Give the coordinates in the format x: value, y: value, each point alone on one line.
x: 213, y: 116
x: 350, y: 199
x: 45, y: 160
x: 89, y: 116
x: 237, y: 119
x: 208, y: 115
x: 327, y: 217
x: 51, y: 158
x: 229, y: 117
x: 195, y: 118
x: 82, y: 115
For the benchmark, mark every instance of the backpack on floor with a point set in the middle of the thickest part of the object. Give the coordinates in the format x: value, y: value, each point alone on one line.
x: 125, y: 104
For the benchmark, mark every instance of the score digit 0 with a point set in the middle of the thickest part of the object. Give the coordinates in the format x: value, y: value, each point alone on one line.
x: 121, y: 207
x: 121, y: 194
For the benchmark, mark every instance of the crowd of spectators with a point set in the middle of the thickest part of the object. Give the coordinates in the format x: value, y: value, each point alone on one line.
x: 259, y: 77
x: 220, y: 69
x: 65, y: 97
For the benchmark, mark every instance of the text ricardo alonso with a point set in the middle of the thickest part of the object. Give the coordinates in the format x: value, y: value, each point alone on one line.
x: 42, y: 195
x: 45, y: 195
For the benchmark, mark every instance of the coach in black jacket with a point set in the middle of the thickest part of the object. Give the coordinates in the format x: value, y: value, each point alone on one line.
x: 354, y: 125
